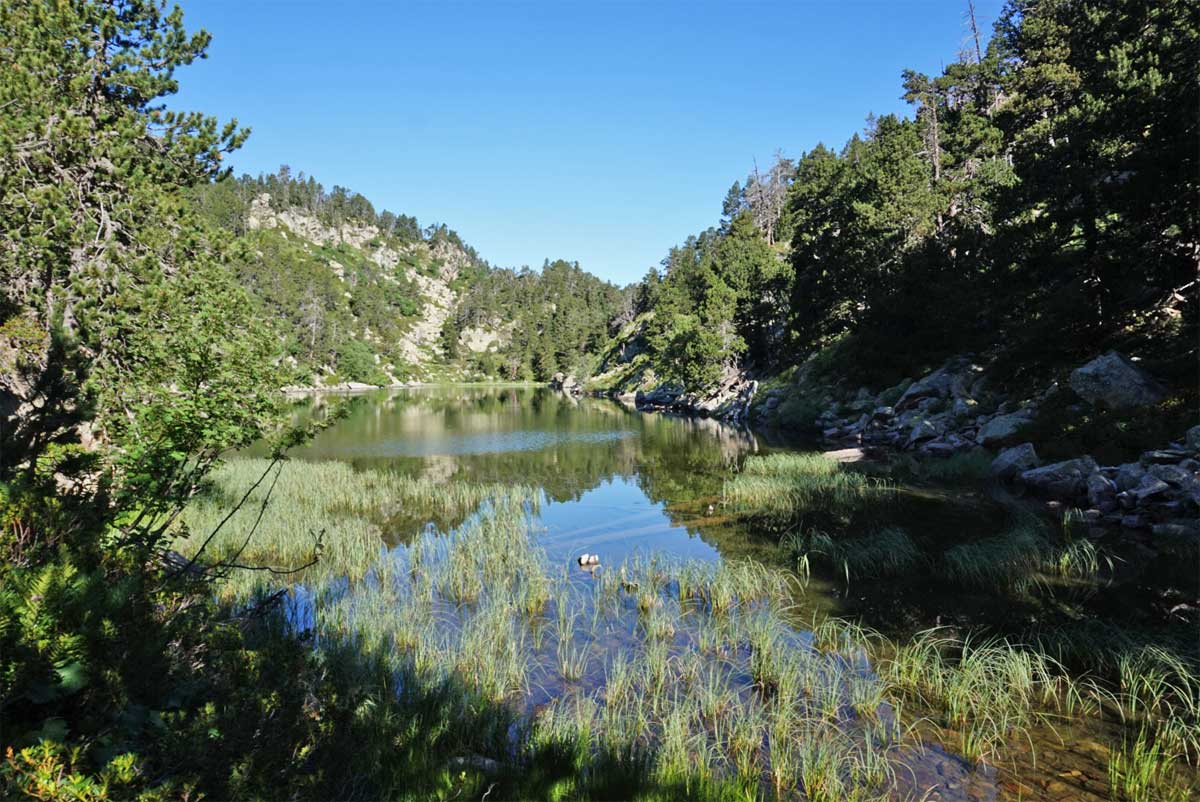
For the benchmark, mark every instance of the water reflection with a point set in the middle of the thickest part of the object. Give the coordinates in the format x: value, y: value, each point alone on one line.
x: 616, y: 481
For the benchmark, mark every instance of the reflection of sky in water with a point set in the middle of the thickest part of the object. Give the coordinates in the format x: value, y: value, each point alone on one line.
x: 615, y: 520
x: 430, y: 444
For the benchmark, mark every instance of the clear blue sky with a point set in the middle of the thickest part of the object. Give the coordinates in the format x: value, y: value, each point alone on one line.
x: 601, y: 132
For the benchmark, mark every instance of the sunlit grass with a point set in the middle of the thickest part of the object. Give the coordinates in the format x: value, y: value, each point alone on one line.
x: 346, y: 509
x: 786, y: 485
x: 686, y: 675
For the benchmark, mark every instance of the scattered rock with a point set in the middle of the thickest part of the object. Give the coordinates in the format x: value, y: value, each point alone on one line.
x: 847, y: 455
x: 566, y: 384
x: 1134, y: 521
x: 1102, y: 492
x: 1188, y: 528
x: 1129, y: 475
x: 921, y: 430
x: 1179, y: 478
x: 1163, y: 456
x: 941, y: 448
x: 1116, y: 382
x: 1149, y: 486
x: 883, y: 413
x: 1192, y: 439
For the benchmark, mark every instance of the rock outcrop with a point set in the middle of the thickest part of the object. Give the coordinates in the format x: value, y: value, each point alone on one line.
x: 566, y: 384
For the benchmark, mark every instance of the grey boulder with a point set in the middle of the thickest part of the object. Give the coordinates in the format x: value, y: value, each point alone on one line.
x: 1067, y: 479
x: 1002, y: 427
x: 1115, y: 382
x: 1012, y: 461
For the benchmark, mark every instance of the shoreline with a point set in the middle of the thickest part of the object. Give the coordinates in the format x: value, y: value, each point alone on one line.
x: 351, y: 388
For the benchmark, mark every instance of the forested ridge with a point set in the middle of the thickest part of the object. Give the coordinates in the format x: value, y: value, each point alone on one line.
x: 1038, y: 206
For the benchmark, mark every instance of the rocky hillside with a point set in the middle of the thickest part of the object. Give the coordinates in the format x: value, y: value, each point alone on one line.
x: 358, y: 298
x: 431, y: 271
x: 361, y: 297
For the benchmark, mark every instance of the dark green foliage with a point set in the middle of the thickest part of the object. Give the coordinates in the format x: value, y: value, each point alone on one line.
x: 1039, y: 205
x: 558, y: 318
x: 1066, y: 427
x: 799, y: 413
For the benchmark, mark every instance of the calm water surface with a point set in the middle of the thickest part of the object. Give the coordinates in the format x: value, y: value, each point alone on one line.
x: 618, y: 483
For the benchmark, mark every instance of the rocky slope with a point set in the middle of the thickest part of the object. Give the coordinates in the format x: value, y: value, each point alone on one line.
x: 438, y: 271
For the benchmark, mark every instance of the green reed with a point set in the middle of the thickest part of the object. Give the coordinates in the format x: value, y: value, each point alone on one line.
x: 784, y: 486
x: 717, y: 694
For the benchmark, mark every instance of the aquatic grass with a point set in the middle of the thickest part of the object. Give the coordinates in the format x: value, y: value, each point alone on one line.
x: 344, y: 508
x: 1141, y: 771
x: 791, y: 465
x: 972, y: 466
x: 884, y: 553
x: 1078, y: 559
x: 1005, y: 562
x: 721, y: 694
x: 572, y: 660
x: 783, y: 486
x: 1162, y: 690
x: 989, y: 692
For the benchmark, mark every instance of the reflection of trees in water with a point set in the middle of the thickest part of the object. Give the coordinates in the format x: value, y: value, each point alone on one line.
x: 675, y: 461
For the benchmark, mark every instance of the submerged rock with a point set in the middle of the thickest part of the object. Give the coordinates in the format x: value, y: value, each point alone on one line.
x: 1116, y: 382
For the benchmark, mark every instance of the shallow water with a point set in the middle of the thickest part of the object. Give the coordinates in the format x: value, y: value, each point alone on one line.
x: 618, y: 484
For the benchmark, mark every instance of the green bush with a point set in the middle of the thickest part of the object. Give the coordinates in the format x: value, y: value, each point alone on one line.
x: 356, y: 362
x: 798, y: 412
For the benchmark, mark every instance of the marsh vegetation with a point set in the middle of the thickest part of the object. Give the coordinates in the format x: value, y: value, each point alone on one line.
x: 661, y: 674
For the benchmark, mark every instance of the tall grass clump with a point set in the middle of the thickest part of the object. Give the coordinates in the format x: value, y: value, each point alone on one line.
x: 300, y: 502
x: 990, y: 692
x: 1003, y: 562
x: 972, y: 466
x: 885, y: 553
x: 783, y: 486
